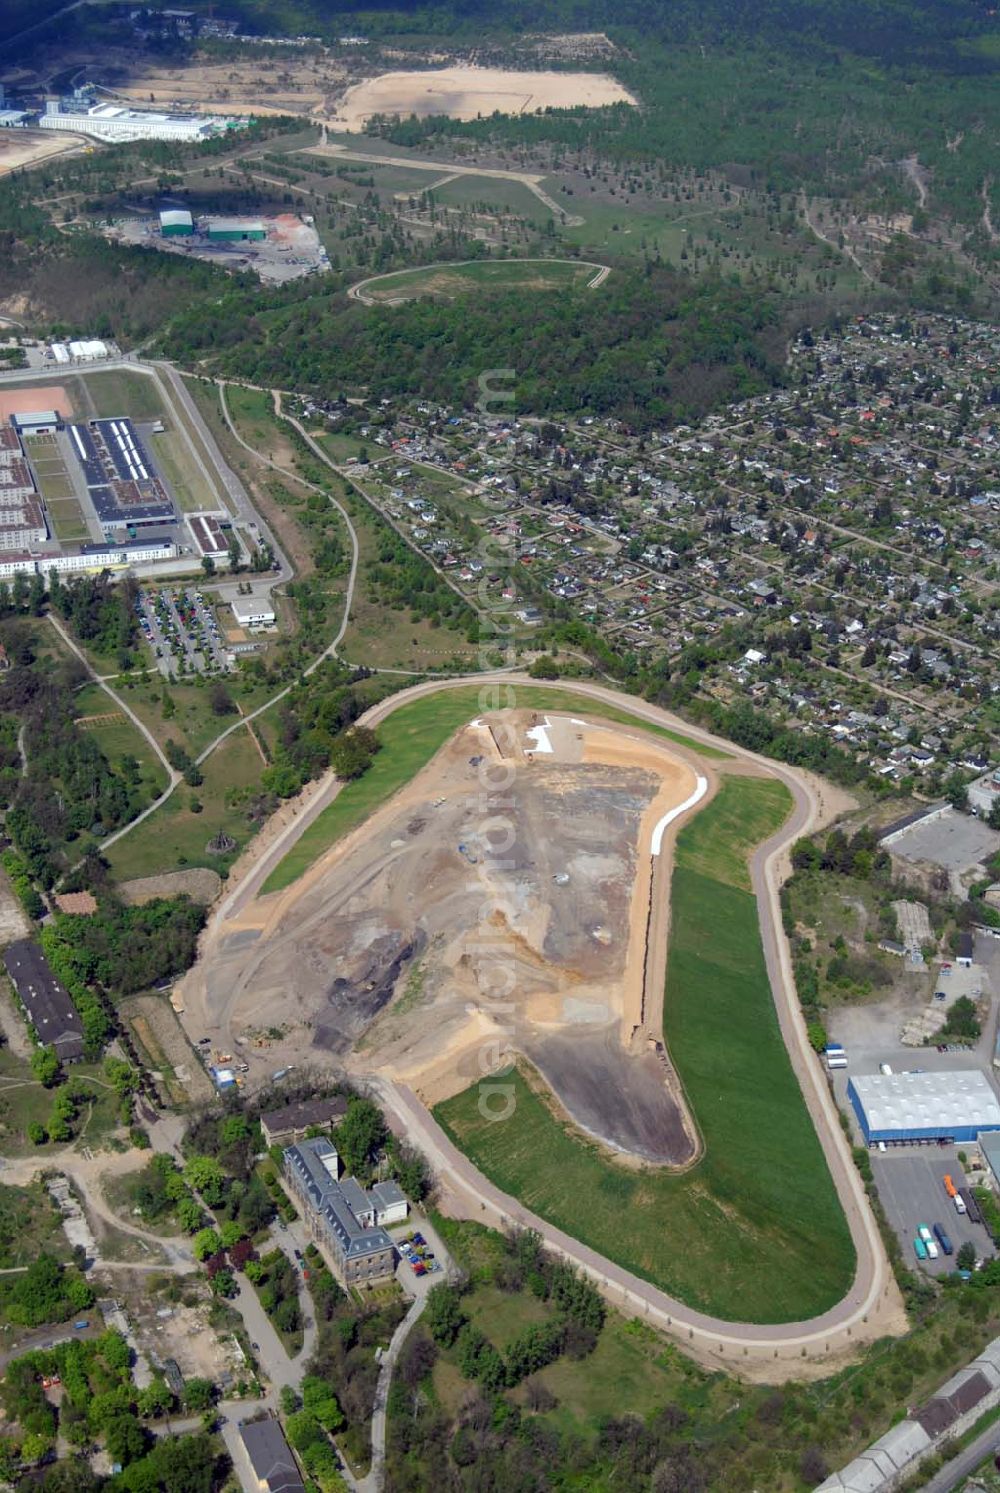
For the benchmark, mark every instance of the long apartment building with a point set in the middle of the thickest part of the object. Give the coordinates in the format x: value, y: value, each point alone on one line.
x: 346, y: 1222
x: 22, y: 517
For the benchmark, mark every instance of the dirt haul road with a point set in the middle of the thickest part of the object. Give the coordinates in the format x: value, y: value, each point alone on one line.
x: 872, y: 1307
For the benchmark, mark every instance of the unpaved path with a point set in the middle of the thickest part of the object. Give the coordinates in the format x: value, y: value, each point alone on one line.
x: 360, y: 291
x: 530, y: 179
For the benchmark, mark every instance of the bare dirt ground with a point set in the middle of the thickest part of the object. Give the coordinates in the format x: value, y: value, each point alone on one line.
x: 182, y: 1333
x: 293, y: 85
x: 14, y: 921
x: 442, y: 935
x: 27, y: 147
x: 38, y: 397
x: 200, y: 884
x: 464, y: 92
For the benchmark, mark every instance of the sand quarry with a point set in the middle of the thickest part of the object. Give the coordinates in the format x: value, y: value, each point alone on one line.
x: 465, y: 92
x: 447, y: 933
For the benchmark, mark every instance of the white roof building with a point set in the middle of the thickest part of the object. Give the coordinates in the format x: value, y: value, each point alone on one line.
x: 253, y: 611
x: 924, y: 1106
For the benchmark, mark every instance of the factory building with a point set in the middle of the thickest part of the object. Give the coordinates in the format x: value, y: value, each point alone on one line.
x: 236, y: 230
x: 897, y: 1107
x: 121, y: 482
x: 114, y: 123
x: 176, y: 223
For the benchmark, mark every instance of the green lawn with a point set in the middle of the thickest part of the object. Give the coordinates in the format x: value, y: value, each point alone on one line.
x: 118, y: 392
x: 753, y: 1232
x: 176, y: 462
x: 23, y: 1102
x: 410, y: 737
x: 457, y: 279
x: 176, y: 836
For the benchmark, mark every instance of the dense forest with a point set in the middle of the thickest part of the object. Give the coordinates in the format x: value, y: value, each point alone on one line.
x: 653, y: 345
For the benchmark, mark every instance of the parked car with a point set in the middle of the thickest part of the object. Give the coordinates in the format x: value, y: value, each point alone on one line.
x: 943, y: 1240
x: 919, y: 1248
x: 929, y: 1243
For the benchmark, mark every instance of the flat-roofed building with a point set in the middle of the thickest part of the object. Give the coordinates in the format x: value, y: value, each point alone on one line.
x: 31, y: 421
x: 16, y: 481
x: 47, y: 1003
x: 253, y: 611
x: 22, y: 523
x: 898, y: 1107
x: 17, y: 562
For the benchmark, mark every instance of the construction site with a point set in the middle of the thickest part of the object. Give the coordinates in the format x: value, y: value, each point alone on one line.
x: 512, y: 898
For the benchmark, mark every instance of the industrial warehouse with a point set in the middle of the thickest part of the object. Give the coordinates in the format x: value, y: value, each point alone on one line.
x: 85, y: 495
x: 896, y: 1108
x: 275, y: 247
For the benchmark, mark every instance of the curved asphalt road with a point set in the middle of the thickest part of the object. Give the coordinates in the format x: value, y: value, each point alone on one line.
x: 871, y: 1307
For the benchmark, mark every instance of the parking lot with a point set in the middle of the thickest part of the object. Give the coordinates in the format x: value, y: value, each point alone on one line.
x: 910, y: 1181
x: 179, y: 625
x: 421, y: 1266
x: 950, y: 839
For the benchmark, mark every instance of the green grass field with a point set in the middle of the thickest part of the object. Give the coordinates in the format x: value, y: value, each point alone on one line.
x: 410, y: 737
x: 176, y: 463
x: 176, y: 836
x: 68, y: 521
x: 118, y: 392
x: 451, y: 280
x: 753, y: 1232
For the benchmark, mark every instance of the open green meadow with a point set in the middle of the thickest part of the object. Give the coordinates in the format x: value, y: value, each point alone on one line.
x: 115, y: 391
x: 458, y: 279
x: 410, y: 736
x: 754, y: 1231
x: 177, y: 835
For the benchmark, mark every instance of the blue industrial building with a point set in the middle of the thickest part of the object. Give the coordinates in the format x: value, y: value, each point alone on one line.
x: 898, y: 1107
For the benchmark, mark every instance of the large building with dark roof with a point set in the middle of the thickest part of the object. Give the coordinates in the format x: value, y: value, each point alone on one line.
x: 122, y: 483
x: 47, y: 1004
x: 293, y: 1121
x: 340, y: 1215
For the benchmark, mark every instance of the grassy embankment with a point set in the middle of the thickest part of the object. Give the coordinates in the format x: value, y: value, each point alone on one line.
x: 410, y: 737
x: 458, y: 279
x: 753, y: 1232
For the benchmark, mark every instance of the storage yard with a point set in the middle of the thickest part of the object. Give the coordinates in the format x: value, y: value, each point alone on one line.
x: 277, y: 249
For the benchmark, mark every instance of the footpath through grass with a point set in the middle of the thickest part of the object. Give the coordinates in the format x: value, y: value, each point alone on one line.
x: 755, y: 1231
x: 410, y: 736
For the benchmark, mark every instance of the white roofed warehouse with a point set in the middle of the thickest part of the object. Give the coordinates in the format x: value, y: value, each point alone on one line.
x: 176, y: 223
x: 924, y: 1106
